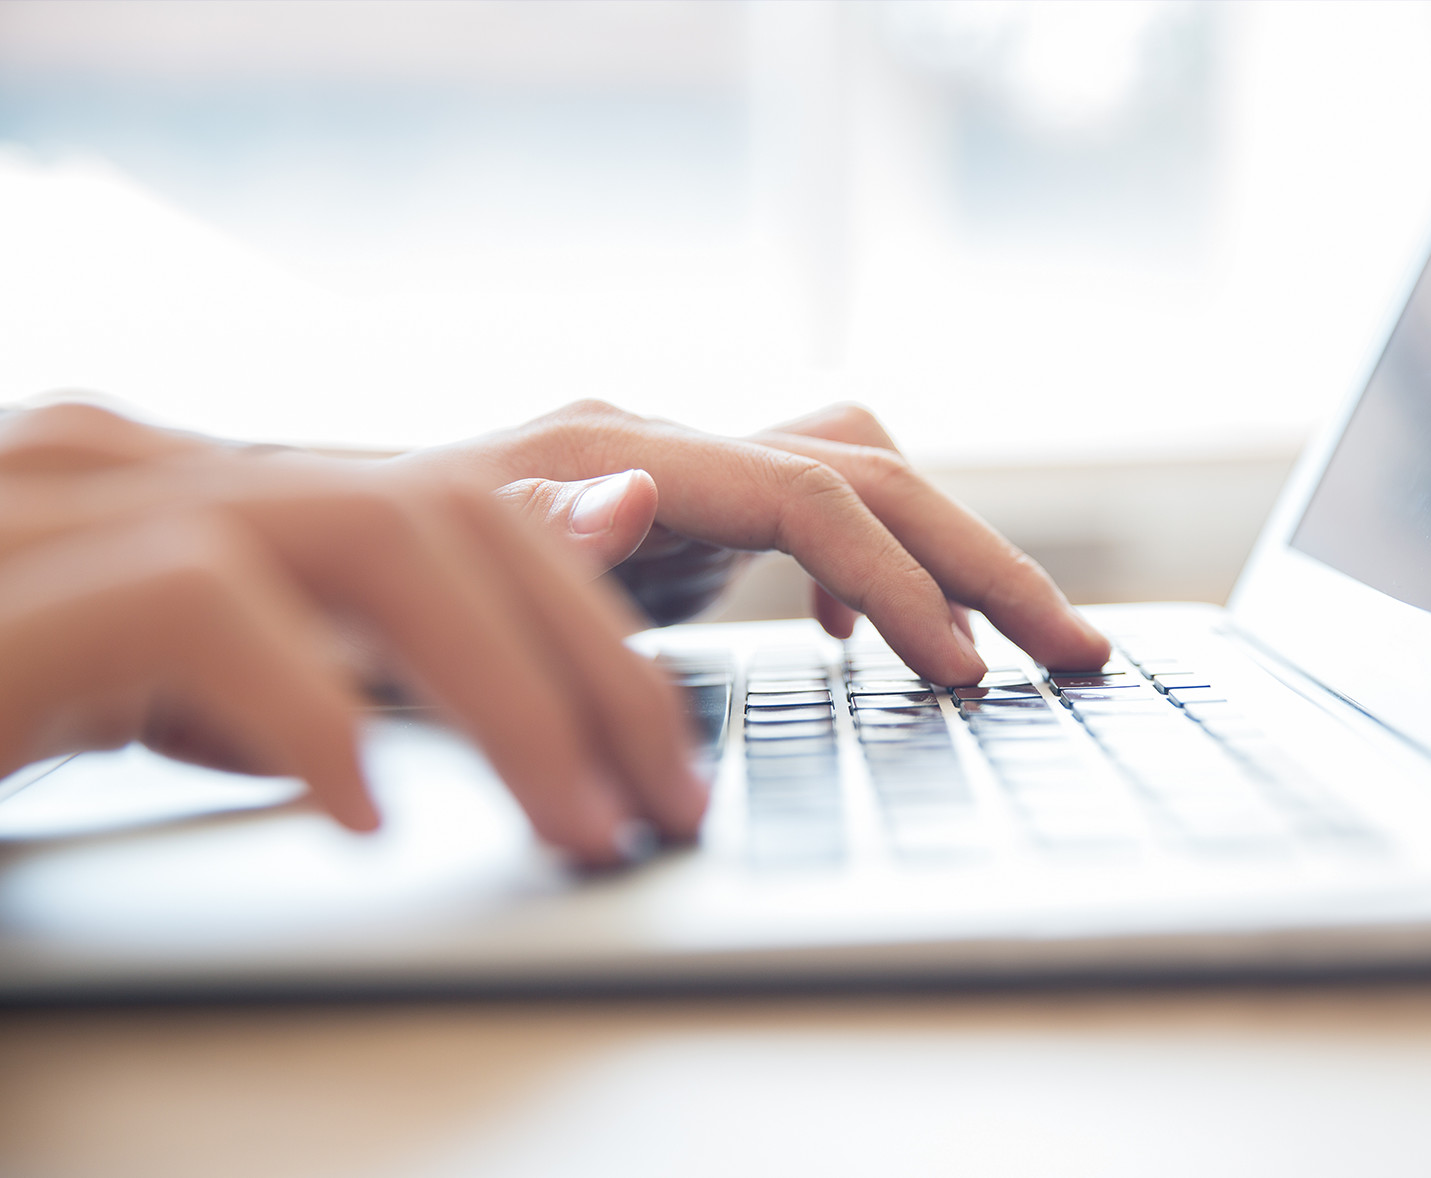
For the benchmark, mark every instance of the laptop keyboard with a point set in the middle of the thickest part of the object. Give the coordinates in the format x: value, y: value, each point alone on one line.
x: 1145, y: 752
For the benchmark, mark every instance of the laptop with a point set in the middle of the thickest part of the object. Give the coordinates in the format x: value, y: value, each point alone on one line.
x: 1240, y: 792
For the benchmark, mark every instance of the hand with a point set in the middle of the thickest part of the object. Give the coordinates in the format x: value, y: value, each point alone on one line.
x: 166, y: 588
x: 832, y: 491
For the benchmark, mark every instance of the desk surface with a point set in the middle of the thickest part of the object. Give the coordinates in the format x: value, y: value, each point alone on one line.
x: 1330, y: 1081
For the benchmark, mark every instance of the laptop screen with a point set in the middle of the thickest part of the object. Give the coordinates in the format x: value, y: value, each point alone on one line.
x: 1370, y: 516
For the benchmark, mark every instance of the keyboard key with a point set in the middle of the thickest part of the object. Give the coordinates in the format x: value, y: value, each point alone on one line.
x: 794, y: 731
x: 936, y: 833
x: 780, y: 657
x: 707, y: 705
x: 907, y: 737
x: 892, y: 699
x: 788, y: 699
x: 1093, y: 827
x: 1200, y: 695
x: 1120, y: 696
x: 1101, y: 679
x: 1099, y: 715
x: 1222, y: 720
x: 1007, y: 722
x: 795, y: 842
x: 702, y: 679
x: 795, y: 747
x: 798, y: 715
x: 871, y: 685
x: 1003, y: 677
x: 693, y: 662
x: 790, y: 795
x: 809, y: 773
x: 1216, y: 824
x: 784, y: 686
x: 1167, y: 679
x: 1023, y: 705
x: 1012, y: 691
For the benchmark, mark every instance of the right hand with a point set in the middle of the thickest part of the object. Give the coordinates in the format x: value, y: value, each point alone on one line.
x: 166, y: 588
x: 829, y: 489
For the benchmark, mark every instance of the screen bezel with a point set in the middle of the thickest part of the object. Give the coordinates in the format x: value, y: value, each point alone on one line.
x: 1364, y: 644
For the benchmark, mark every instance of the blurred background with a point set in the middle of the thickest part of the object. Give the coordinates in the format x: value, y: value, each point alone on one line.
x: 1099, y: 266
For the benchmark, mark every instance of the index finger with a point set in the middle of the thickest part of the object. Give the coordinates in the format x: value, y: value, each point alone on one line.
x: 971, y: 561
x: 744, y: 495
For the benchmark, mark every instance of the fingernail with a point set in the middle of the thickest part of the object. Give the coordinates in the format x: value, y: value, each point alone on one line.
x: 595, y: 508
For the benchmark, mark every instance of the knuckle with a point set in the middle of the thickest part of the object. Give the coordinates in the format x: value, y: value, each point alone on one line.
x: 528, y: 496
x: 67, y: 434
x: 857, y: 416
x: 806, y: 485
x: 592, y: 407
x: 884, y: 468
x: 810, y: 478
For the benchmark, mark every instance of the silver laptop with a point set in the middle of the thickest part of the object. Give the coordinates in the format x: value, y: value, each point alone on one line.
x: 1241, y: 791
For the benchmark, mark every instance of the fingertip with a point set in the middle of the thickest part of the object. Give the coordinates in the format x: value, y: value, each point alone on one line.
x: 357, y: 811
x: 689, y: 809
x: 835, y: 617
x: 1089, y: 649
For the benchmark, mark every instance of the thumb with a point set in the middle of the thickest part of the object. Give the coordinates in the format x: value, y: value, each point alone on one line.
x: 605, y: 519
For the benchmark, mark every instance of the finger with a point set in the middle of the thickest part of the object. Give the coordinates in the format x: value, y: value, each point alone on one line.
x: 845, y: 422
x: 834, y: 615
x: 961, y: 619
x: 181, y: 607
x: 73, y: 437
x: 605, y: 519
x: 631, y: 709
x: 451, y: 612
x: 739, y: 494
x: 748, y: 496
x: 972, y: 563
x: 676, y: 578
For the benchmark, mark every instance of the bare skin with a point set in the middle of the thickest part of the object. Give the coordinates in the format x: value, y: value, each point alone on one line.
x: 832, y: 490
x: 162, y: 588
x: 194, y: 595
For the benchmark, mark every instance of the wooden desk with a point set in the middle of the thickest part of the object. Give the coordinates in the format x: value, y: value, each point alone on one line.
x: 1302, y: 1082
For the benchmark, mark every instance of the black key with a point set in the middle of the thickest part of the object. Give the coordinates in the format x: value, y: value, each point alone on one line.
x: 892, y: 699
x: 1003, y: 677
x: 1012, y: 691
x: 1008, y: 705
x: 787, y: 699
x: 899, y: 718
x: 1129, y: 693
x: 1100, y: 679
x: 1005, y: 709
